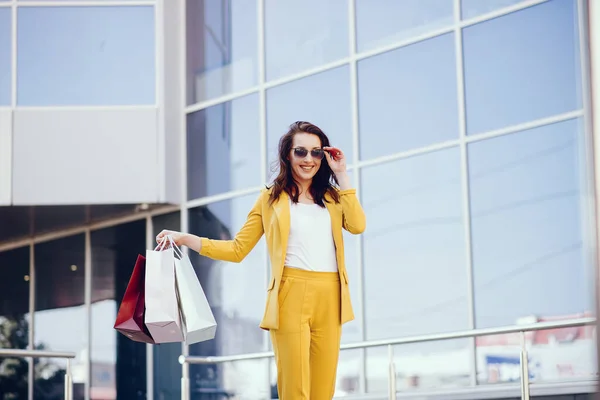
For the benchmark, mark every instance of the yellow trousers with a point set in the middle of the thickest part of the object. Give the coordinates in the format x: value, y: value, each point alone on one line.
x: 307, y: 343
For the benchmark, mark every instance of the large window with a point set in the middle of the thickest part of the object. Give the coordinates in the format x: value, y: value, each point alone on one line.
x: 382, y: 23
x: 300, y: 36
x: 222, y: 47
x: 408, y: 98
x: 85, y: 56
x: 60, y: 302
x: 15, y: 320
x: 5, y: 56
x: 223, y: 147
x: 523, y: 66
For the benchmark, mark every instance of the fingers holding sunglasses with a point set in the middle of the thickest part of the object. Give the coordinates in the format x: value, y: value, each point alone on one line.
x: 335, y: 159
x: 334, y: 152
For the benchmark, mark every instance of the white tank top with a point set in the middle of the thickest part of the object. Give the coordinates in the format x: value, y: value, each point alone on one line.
x: 310, y: 244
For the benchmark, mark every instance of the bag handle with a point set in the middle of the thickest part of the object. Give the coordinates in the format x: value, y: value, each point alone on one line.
x: 169, y: 239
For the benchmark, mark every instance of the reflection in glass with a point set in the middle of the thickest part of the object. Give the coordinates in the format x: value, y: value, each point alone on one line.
x: 304, y: 35
x: 421, y: 366
x: 60, y: 316
x: 414, y: 247
x: 475, y: 8
x: 554, y: 355
x: 528, y: 229
x: 385, y: 22
x: 408, y: 98
x: 222, y: 47
x: 297, y: 100
x: 237, y: 294
x: 14, y: 322
x: 223, y: 145
x: 5, y: 56
x: 167, y: 370
x: 86, y: 56
x: 522, y: 66
x: 114, y: 251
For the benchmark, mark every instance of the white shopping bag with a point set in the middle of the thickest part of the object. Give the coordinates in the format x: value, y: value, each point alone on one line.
x: 200, y: 323
x: 163, y: 317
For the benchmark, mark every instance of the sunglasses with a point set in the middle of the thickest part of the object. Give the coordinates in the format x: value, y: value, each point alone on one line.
x: 301, y: 152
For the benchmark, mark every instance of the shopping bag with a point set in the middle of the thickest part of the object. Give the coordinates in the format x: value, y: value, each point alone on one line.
x: 130, y: 318
x: 200, y: 324
x: 163, y: 317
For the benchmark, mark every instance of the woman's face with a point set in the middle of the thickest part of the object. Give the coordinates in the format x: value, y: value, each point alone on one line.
x: 305, y: 157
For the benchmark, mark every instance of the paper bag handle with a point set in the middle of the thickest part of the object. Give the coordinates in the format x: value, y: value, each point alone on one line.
x: 176, y: 249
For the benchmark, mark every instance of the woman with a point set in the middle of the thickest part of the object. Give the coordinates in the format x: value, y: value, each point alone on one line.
x: 302, y: 215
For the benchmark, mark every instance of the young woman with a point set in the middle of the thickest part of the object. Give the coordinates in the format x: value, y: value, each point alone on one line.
x: 302, y: 215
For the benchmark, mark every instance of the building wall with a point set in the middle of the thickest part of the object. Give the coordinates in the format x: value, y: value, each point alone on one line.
x: 466, y: 127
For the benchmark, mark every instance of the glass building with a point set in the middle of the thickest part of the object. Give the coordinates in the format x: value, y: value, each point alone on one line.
x: 468, y: 126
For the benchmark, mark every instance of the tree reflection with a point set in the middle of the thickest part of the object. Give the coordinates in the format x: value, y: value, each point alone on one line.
x: 49, y: 379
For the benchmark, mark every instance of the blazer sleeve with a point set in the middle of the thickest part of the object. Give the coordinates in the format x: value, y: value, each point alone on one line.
x: 353, y: 215
x: 244, y: 241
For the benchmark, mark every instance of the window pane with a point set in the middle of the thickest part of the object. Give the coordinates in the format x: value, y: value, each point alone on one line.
x: 222, y: 47
x: 114, y: 252
x: 475, y: 8
x: 304, y: 35
x: 59, y: 302
x: 237, y: 294
x: 408, y: 98
x: 14, y: 321
x: 384, y: 22
x: 5, y: 56
x: 420, y: 217
x: 330, y: 110
x: 223, y: 146
x: 421, y: 286
x: 522, y: 67
x: 86, y: 56
x: 422, y: 366
x: 528, y: 216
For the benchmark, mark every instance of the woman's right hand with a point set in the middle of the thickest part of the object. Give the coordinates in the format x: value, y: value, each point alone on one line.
x: 180, y: 239
x: 177, y: 237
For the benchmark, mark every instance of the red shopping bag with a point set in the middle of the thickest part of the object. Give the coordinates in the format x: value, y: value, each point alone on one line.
x: 130, y: 318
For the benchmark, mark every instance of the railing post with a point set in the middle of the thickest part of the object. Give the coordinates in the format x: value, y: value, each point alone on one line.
x: 392, y: 374
x: 185, y: 379
x: 524, y: 362
x: 68, y: 382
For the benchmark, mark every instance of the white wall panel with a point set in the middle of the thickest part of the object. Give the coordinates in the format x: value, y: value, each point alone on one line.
x: 5, y: 156
x: 85, y: 156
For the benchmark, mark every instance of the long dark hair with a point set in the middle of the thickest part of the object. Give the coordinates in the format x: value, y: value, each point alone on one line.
x: 323, y: 181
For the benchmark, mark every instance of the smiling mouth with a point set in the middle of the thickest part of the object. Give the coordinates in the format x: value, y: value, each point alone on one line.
x: 305, y: 168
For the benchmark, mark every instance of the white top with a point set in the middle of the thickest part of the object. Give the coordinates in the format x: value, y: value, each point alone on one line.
x: 310, y: 244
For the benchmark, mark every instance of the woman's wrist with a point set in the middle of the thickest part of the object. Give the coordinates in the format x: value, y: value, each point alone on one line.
x: 193, y: 242
x: 344, y: 181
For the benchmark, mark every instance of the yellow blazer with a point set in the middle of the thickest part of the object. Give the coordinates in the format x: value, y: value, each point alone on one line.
x: 274, y: 221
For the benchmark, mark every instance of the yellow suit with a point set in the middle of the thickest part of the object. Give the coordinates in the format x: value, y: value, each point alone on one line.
x: 274, y: 222
x: 304, y: 314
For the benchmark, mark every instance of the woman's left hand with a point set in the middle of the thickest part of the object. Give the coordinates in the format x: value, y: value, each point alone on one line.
x: 335, y: 159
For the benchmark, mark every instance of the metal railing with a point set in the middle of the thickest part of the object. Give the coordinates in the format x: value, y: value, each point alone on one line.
x: 11, y: 353
x: 522, y: 329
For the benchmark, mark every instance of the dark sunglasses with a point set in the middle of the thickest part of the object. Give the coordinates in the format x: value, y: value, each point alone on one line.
x: 301, y: 152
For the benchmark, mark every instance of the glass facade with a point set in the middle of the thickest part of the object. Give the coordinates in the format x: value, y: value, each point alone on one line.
x: 464, y: 127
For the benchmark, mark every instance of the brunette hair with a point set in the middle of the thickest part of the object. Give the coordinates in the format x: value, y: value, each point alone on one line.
x: 323, y: 181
